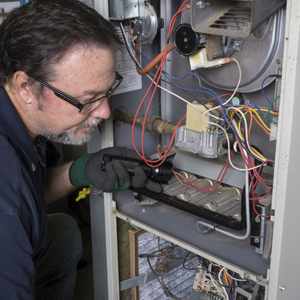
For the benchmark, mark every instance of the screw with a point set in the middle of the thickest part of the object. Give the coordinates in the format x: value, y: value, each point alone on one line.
x: 201, y: 3
x: 256, y: 240
x: 168, y: 58
x: 282, y: 288
x: 257, y: 219
x: 278, y: 61
x: 237, y: 44
x: 144, y: 210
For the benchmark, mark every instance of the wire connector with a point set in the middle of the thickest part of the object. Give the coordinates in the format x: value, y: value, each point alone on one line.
x: 82, y: 194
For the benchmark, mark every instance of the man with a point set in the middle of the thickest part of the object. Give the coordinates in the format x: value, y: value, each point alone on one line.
x: 57, y: 68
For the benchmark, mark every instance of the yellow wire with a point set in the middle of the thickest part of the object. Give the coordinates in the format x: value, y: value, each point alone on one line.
x: 261, y: 121
x: 271, y: 112
x: 240, y: 131
x: 258, y: 153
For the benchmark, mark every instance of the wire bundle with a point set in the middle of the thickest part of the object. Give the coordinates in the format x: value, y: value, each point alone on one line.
x: 226, y: 117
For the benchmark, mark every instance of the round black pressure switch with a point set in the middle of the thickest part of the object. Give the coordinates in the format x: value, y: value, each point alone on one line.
x: 186, y: 40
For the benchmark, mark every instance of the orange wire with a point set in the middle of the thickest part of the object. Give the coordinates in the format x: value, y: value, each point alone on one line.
x: 228, y: 94
x: 248, y: 109
x: 153, y: 62
x: 158, y: 73
x: 265, y: 130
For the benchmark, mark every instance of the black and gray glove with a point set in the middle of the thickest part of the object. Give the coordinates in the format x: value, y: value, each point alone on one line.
x: 86, y: 170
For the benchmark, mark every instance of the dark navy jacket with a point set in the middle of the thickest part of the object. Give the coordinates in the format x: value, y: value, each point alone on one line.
x: 23, y: 222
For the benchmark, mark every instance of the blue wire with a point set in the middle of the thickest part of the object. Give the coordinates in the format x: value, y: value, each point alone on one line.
x: 208, y: 91
x: 214, y: 94
x: 262, y: 89
x: 251, y: 105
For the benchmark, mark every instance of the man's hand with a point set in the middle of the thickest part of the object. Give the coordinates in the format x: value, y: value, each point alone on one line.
x: 86, y: 170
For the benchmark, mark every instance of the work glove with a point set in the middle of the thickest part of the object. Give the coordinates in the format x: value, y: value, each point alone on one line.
x: 86, y: 170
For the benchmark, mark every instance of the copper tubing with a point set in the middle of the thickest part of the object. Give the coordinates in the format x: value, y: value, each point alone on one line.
x: 154, y: 61
x: 153, y: 125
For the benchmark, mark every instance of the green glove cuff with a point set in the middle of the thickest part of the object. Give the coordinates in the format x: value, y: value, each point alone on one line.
x: 117, y: 188
x: 77, y: 171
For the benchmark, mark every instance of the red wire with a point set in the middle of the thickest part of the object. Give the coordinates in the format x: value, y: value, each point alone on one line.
x: 228, y: 94
x: 208, y: 189
x: 250, y: 164
x: 158, y: 73
x: 163, y: 157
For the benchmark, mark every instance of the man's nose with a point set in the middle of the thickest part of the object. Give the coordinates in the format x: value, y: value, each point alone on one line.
x: 102, y: 111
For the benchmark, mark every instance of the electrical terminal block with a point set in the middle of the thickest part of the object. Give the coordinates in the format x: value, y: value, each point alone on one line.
x: 204, y: 285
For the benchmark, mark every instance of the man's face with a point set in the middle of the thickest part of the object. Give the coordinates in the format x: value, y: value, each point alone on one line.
x: 71, y: 136
x: 85, y: 74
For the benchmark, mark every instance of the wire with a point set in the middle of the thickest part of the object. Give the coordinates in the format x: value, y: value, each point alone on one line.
x: 157, y: 78
x: 271, y: 105
x: 220, y: 281
x: 262, y: 89
x: 227, y: 101
x: 236, y: 279
x: 154, y: 61
x: 213, y: 281
x: 181, y: 88
x: 210, y: 188
x: 247, y: 203
x: 164, y: 255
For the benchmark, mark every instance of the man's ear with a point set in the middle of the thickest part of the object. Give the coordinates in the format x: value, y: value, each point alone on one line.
x: 23, y: 88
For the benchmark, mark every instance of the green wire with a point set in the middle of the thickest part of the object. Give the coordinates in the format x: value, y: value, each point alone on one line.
x: 271, y: 106
x: 215, y: 133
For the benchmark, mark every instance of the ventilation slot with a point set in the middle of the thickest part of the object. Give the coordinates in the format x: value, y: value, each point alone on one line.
x: 234, y: 19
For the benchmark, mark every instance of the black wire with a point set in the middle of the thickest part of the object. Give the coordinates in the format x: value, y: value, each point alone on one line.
x: 185, y: 261
x: 148, y: 255
x: 217, y: 279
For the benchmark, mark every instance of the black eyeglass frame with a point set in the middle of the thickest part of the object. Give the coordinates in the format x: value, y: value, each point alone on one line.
x: 72, y: 100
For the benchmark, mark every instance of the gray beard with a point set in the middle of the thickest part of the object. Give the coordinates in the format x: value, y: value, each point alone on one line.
x: 69, y: 137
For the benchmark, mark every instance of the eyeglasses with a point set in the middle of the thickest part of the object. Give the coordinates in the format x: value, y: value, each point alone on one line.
x: 87, y: 107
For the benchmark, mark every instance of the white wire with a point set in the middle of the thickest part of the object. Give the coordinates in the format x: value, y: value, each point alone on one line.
x: 238, y: 84
x: 246, y: 132
x: 220, y: 280
x: 182, y: 99
x: 213, y: 281
x: 151, y: 78
x: 233, y: 277
x: 228, y: 148
x: 227, y: 101
x: 247, y: 204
